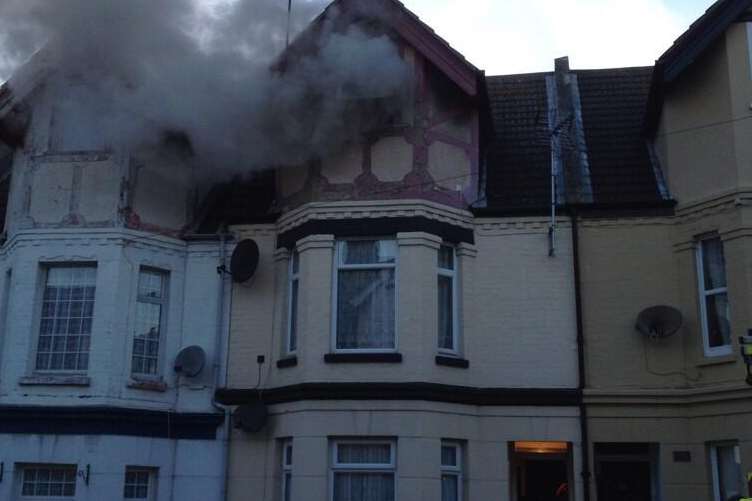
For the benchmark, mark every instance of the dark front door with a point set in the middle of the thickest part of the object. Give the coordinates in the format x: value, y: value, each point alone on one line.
x: 624, y: 481
x: 544, y: 480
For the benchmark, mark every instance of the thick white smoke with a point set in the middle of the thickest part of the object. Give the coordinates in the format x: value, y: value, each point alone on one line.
x: 124, y: 73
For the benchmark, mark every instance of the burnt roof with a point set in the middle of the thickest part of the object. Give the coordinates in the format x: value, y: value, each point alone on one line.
x: 239, y: 201
x: 613, y: 103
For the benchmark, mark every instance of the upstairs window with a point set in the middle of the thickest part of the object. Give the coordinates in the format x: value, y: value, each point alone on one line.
x: 365, y: 295
x: 713, y: 293
x: 447, y: 287
x: 292, y: 313
x: 45, y: 481
x: 66, y: 318
x: 451, y: 471
x: 150, y: 310
x: 363, y: 471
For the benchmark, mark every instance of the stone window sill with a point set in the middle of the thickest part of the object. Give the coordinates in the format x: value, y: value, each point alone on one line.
x: 447, y: 361
x: 719, y: 360
x: 55, y: 380
x: 287, y: 362
x: 363, y: 358
x: 146, y: 385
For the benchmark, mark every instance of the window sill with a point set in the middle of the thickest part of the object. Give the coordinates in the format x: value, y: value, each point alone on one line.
x: 284, y: 363
x: 55, y: 380
x: 363, y: 358
x: 146, y: 385
x: 447, y: 361
x: 706, y: 360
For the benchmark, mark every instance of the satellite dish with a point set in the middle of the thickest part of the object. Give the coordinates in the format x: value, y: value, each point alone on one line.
x: 251, y: 417
x: 659, y: 322
x: 190, y: 361
x: 244, y: 261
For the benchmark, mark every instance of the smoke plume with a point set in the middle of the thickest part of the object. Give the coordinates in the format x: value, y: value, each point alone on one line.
x: 127, y: 74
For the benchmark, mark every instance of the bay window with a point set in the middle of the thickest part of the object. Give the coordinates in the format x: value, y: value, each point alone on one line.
x: 363, y: 470
x: 447, y: 297
x: 292, y: 312
x: 66, y: 318
x: 725, y: 462
x: 713, y: 294
x: 451, y: 471
x: 150, y: 311
x: 365, y: 295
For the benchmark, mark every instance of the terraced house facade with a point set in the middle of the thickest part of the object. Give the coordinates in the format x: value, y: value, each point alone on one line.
x: 443, y: 308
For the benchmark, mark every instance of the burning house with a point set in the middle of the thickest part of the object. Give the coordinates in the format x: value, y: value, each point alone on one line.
x: 363, y: 270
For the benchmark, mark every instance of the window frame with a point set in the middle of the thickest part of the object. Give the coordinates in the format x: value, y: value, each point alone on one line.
x: 293, y: 278
x: 456, y: 470
x: 44, y: 268
x: 151, y: 486
x: 336, y: 467
x: 714, y: 466
x: 453, y: 274
x: 164, y: 303
x: 355, y: 267
x: 287, y: 462
x: 21, y: 469
x: 703, y: 294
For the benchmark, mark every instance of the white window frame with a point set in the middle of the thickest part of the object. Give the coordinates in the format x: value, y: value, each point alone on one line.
x: 703, y: 294
x: 164, y: 302
x: 336, y: 467
x: 455, y: 470
x: 48, y: 466
x: 375, y: 266
x: 45, y: 268
x: 287, y: 462
x: 714, y: 467
x: 293, y: 313
x: 453, y: 275
x: 151, y: 486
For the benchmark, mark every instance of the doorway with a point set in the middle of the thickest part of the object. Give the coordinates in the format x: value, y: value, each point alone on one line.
x: 541, y: 471
x: 625, y: 472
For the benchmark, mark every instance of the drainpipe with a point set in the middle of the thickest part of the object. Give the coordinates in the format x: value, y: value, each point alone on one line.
x: 582, y: 382
x: 220, y: 376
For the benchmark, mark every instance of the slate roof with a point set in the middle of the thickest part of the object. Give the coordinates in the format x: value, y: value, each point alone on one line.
x: 519, y: 157
x: 614, y: 103
x: 518, y: 163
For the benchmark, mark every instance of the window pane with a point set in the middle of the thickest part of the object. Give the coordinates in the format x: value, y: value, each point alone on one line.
x: 45, y: 481
x: 446, y: 257
x: 450, y: 488
x: 363, y: 487
x: 146, y: 340
x: 295, y: 262
x: 729, y: 472
x: 448, y: 455
x: 446, y: 313
x: 293, y: 341
x: 713, y: 264
x: 151, y: 284
x: 368, y: 251
x: 364, y: 453
x: 287, y: 487
x: 719, y: 327
x: 65, y: 323
x: 136, y: 484
x: 365, y: 309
